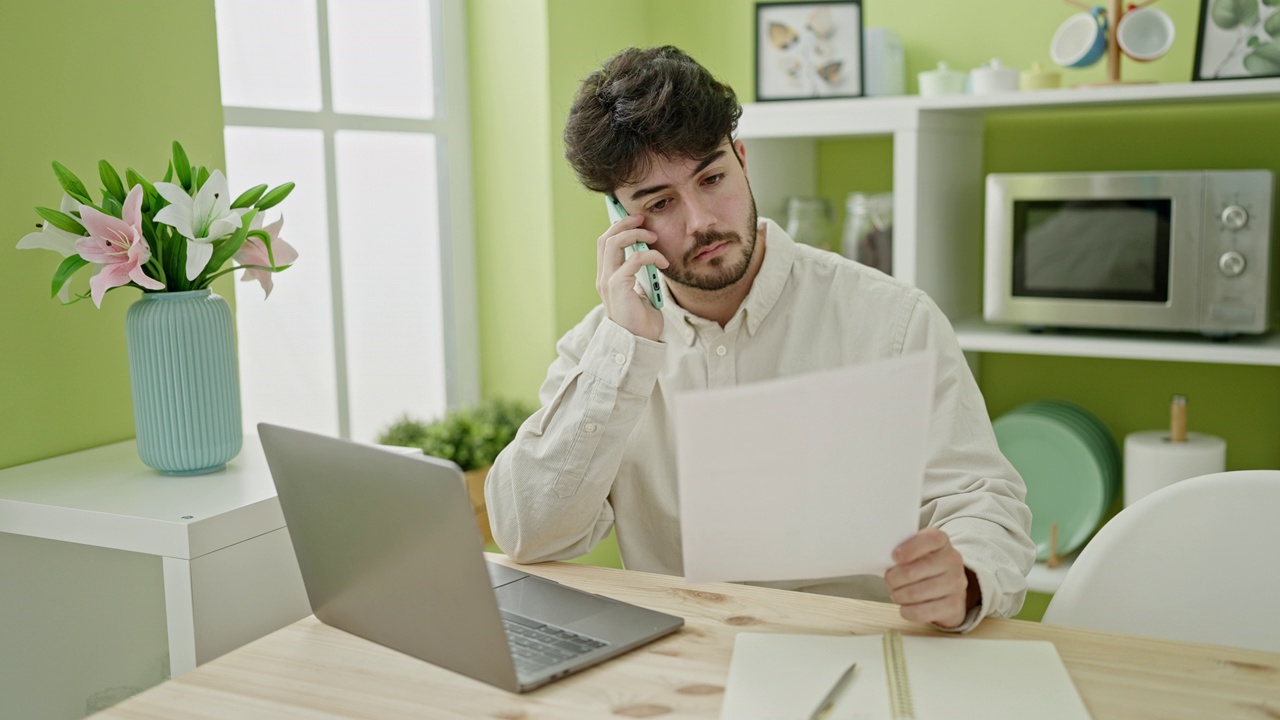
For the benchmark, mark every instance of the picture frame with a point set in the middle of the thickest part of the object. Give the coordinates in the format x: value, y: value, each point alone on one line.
x: 1237, y: 39
x: 807, y: 50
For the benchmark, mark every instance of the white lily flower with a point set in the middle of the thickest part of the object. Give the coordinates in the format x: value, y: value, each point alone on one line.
x: 201, y: 220
x: 55, y: 239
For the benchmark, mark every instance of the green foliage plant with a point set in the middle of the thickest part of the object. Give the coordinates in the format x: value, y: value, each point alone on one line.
x: 471, y: 436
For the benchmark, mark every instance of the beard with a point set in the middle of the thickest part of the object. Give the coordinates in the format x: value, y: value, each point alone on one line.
x: 722, y: 270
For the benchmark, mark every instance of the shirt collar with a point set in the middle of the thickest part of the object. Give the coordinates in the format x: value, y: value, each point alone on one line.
x: 779, y: 254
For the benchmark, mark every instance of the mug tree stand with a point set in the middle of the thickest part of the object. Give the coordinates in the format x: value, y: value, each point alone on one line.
x: 1115, y: 10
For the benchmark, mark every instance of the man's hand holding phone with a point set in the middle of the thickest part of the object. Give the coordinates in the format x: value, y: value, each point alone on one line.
x: 620, y: 270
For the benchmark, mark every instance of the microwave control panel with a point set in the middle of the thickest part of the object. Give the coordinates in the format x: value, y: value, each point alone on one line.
x: 1236, y: 254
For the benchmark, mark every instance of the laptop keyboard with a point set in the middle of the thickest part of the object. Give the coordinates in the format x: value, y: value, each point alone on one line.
x: 536, y: 646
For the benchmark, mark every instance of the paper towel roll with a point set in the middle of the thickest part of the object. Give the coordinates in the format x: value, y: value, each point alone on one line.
x: 1151, y: 461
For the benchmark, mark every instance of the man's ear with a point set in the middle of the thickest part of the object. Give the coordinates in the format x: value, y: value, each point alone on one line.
x: 740, y: 149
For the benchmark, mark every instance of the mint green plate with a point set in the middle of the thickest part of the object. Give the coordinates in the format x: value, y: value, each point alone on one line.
x: 1094, y: 432
x: 1065, y: 475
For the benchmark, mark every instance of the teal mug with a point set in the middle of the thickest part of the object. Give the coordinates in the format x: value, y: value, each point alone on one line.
x: 1081, y: 40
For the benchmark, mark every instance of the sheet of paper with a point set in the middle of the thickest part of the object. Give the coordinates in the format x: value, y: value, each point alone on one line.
x: 781, y: 676
x: 811, y: 476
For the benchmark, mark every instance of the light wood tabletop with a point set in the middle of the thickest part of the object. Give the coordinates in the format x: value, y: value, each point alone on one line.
x: 311, y: 670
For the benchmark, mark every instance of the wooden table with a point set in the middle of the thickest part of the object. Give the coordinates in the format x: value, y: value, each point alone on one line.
x: 310, y: 670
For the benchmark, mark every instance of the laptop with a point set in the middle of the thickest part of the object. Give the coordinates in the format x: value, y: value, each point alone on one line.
x: 389, y: 550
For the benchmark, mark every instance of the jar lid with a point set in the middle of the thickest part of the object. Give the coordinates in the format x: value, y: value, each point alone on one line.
x: 995, y: 67
x: 943, y: 70
x: 1037, y: 70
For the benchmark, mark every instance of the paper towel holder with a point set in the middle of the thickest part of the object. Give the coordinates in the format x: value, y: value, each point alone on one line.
x: 1178, y: 419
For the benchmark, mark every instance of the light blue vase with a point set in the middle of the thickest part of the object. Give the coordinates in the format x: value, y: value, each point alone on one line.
x: 186, y: 385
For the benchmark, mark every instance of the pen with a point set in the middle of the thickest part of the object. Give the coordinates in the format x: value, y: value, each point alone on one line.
x: 829, y: 702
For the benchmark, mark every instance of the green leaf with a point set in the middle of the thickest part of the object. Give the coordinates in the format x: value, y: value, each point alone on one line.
x: 64, y: 272
x: 153, y: 240
x: 1272, y: 24
x: 178, y: 261
x: 1228, y: 14
x: 151, y: 200
x: 62, y: 221
x: 71, y: 184
x: 223, y: 250
x: 1264, y: 60
x: 111, y: 180
x: 168, y: 174
x: 112, y: 207
x: 1271, y: 3
x: 181, y: 165
x: 274, y: 197
x: 202, y: 176
x: 249, y: 197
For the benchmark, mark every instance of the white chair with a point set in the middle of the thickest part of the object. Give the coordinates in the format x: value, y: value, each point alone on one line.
x: 1195, y: 561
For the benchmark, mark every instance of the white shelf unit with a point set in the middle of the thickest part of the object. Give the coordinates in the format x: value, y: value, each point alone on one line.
x: 938, y: 198
x: 227, y: 565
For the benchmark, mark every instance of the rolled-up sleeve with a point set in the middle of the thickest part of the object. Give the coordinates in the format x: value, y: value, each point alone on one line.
x: 971, y: 492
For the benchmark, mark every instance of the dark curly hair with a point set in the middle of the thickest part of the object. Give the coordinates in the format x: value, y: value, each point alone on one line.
x: 642, y: 104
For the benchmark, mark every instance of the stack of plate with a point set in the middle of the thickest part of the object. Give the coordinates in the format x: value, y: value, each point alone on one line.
x: 1071, y: 466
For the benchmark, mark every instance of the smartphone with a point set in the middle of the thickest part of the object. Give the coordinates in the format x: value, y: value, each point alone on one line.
x: 648, y: 275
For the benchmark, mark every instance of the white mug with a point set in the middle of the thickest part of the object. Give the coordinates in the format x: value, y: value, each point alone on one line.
x: 1145, y: 33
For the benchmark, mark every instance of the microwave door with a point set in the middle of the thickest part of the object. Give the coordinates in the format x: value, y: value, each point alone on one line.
x: 1092, y: 249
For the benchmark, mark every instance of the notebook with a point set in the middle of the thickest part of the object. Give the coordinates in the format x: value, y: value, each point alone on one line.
x: 389, y: 551
x: 776, y: 676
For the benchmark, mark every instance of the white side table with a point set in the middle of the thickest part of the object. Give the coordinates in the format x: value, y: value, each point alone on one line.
x: 229, y: 571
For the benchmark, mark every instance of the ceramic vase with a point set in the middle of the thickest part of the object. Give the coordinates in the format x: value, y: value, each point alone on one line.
x: 185, y: 380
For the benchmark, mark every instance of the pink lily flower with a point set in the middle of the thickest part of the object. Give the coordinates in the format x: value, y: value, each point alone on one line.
x: 254, y: 252
x: 116, y: 244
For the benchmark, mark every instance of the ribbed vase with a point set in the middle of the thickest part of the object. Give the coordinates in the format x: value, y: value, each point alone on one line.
x: 186, y: 384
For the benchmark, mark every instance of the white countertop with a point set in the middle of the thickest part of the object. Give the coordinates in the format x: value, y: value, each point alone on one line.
x: 106, y: 497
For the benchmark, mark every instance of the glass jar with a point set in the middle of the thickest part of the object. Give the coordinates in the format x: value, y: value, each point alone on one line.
x: 868, y: 230
x: 809, y: 221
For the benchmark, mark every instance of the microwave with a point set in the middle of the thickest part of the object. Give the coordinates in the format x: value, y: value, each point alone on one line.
x: 1167, y: 251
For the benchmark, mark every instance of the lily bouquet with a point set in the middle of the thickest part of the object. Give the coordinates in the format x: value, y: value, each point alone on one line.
x: 174, y: 236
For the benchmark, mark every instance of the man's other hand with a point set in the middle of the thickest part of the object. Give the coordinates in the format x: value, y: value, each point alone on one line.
x: 930, y: 581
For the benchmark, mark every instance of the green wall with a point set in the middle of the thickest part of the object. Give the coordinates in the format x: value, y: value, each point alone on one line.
x: 511, y: 167
x: 85, y: 80
x: 1235, y: 402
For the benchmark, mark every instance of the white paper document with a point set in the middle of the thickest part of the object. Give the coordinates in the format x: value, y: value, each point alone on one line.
x: 782, y: 677
x: 811, y: 476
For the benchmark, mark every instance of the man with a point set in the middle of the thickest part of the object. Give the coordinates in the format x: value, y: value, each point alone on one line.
x: 744, y: 303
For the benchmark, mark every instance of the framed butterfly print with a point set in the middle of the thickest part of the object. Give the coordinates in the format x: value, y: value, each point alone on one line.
x: 808, y: 50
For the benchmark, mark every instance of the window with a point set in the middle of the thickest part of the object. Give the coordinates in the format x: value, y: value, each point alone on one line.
x: 362, y: 103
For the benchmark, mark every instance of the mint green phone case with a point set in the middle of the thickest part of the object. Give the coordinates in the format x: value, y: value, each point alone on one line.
x: 648, y: 274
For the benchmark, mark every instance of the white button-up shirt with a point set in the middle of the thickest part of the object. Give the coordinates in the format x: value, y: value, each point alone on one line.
x: 600, y: 451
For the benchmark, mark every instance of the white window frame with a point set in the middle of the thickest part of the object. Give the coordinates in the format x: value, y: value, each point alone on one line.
x: 452, y: 131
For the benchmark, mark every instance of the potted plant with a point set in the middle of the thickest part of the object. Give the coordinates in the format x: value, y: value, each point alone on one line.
x: 471, y: 437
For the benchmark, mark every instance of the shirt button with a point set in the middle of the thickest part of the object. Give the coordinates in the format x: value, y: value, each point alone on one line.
x: 620, y: 358
x: 721, y: 351
x: 589, y: 427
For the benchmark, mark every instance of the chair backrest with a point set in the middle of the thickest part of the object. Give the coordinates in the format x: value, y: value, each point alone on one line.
x: 1194, y: 561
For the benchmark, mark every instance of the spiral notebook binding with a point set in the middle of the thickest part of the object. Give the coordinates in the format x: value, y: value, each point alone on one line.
x: 895, y: 665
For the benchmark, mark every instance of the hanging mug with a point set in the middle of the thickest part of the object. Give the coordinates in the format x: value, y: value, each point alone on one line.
x: 1081, y: 40
x: 1145, y: 33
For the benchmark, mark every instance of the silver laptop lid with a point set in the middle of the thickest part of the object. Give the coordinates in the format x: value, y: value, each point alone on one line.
x: 389, y: 550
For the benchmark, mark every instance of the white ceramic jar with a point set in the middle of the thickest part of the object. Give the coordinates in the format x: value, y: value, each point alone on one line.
x: 942, y: 81
x: 994, y: 78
